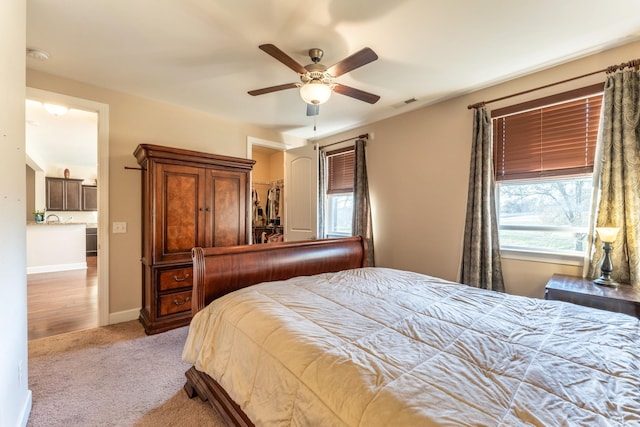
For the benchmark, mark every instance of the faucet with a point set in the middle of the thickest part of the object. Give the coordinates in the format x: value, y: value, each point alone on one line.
x: 50, y: 215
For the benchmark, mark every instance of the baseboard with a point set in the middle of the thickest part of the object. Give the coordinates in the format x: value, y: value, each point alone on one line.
x: 124, y: 316
x: 56, y: 267
x: 26, y: 409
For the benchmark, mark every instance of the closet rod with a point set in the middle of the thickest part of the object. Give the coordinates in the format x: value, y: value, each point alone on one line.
x: 275, y: 181
x: 634, y: 63
x: 363, y: 136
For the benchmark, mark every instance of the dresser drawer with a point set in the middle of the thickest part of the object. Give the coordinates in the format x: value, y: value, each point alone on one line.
x: 175, y: 303
x: 174, y: 279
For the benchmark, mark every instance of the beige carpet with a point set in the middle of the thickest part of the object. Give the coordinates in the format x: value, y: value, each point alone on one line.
x: 113, y: 376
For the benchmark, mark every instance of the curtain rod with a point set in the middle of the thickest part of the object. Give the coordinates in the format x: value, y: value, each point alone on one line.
x: 363, y: 136
x: 634, y: 63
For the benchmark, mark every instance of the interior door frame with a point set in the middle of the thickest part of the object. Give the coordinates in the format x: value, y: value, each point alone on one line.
x: 251, y: 141
x: 274, y: 145
x: 103, y: 189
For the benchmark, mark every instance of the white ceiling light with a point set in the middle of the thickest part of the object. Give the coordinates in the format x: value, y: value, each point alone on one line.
x: 56, y: 110
x: 315, y: 92
x: 38, y: 54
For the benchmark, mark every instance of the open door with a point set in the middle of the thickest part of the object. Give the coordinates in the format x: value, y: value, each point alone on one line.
x: 301, y: 195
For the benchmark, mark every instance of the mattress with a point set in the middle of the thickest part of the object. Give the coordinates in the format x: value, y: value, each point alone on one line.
x: 380, y: 347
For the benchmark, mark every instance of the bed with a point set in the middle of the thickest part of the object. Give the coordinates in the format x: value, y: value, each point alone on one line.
x: 307, y: 334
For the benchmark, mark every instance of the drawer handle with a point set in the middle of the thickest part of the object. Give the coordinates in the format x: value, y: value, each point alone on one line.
x: 186, y: 300
x: 180, y: 279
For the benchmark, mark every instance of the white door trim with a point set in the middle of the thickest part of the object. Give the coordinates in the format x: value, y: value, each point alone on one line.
x: 103, y: 188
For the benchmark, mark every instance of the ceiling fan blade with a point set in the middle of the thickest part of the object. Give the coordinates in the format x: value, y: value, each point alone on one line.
x: 313, y: 109
x: 356, y: 93
x: 283, y: 57
x: 358, y: 59
x: 272, y: 89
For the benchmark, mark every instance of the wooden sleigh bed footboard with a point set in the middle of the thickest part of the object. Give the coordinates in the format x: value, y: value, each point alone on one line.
x: 218, y: 271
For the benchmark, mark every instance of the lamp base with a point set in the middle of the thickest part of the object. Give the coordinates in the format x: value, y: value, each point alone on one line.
x: 606, y: 281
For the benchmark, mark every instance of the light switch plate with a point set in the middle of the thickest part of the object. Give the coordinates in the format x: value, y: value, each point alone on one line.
x: 119, y: 227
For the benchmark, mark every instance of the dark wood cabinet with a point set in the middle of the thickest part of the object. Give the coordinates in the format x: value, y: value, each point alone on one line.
x: 577, y: 290
x: 92, y: 241
x: 189, y: 199
x: 63, y: 194
x: 89, y: 198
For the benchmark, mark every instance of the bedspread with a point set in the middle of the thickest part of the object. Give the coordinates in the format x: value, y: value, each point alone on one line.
x: 381, y: 347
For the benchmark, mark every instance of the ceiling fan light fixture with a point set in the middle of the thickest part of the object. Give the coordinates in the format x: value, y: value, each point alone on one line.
x: 315, y: 92
x: 56, y: 110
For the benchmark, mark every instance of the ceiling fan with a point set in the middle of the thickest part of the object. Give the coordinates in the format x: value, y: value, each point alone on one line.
x: 316, y: 80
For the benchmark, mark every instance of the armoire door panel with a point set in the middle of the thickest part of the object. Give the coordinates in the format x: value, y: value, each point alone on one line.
x: 226, y: 220
x: 179, y: 219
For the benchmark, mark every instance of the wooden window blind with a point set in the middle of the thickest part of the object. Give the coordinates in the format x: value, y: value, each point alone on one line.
x: 341, y: 171
x: 553, y: 136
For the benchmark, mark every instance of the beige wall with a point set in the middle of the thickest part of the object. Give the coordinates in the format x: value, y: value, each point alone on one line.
x: 261, y: 169
x: 269, y: 165
x: 132, y: 121
x: 276, y: 166
x: 418, y: 166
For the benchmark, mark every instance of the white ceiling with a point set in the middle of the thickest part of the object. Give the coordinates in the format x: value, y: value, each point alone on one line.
x: 203, y: 54
x: 58, y: 142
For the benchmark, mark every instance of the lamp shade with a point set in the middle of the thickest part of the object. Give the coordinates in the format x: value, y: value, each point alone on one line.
x: 315, y: 92
x: 607, y: 234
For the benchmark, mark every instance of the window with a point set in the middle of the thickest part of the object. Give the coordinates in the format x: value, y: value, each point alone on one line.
x: 340, y: 178
x: 543, y: 160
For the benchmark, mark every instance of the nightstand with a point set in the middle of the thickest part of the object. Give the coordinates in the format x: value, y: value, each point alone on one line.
x: 623, y: 299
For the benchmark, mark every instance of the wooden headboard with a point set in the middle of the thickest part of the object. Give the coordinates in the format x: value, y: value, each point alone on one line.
x: 218, y: 271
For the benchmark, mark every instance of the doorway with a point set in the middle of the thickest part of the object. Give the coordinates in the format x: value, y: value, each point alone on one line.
x: 298, y: 204
x: 97, y: 273
x: 267, y: 191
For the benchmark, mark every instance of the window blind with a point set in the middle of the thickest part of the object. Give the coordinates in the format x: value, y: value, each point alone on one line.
x: 556, y: 139
x: 341, y: 171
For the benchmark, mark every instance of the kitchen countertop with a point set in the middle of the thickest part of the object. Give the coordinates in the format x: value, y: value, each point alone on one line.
x: 62, y: 223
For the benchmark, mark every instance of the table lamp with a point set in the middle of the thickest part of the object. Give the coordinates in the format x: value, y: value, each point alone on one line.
x: 608, y: 236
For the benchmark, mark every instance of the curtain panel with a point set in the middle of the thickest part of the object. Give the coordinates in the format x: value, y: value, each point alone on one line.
x: 481, y: 265
x: 322, y: 202
x: 617, y: 197
x: 362, y: 225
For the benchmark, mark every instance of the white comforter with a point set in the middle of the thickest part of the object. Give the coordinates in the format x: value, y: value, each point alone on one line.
x: 381, y: 347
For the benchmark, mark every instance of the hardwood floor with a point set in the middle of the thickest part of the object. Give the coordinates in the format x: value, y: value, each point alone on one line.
x: 63, y: 301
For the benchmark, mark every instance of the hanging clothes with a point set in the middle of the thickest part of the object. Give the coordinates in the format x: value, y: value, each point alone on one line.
x: 273, y: 204
x: 256, y: 209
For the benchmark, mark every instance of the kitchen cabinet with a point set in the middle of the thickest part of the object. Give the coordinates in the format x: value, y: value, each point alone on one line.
x: 189, y: 199
x: 63, y: 194
x: 89, y: 198
x: 92, y: 241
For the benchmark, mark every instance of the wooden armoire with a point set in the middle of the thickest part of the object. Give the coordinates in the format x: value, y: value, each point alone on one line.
x: 189, y: 199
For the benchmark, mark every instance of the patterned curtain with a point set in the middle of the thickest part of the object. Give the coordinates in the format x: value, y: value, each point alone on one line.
x: 322, y: 183
x: 618, y: 195
x: 362, y: 225
x: 481, y: 266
